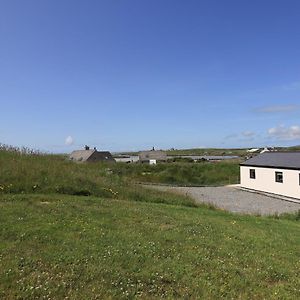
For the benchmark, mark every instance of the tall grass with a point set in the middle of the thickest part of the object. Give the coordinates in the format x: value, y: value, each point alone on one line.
x: 189, y: 174
x: 23, y: 173
x: 48, y: 174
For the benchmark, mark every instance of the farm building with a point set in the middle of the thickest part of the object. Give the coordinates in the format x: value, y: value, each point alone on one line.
x: 127, y: 159
x: 88, y: 155
x: 273, y: 172
x: 152, y: 156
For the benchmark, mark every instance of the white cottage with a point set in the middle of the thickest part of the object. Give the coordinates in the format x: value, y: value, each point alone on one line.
x: 273, y: 172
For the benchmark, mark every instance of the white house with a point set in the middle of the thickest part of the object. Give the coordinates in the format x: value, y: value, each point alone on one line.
x: 273, y: 172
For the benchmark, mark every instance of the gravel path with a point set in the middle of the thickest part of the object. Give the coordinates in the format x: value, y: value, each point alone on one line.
x: 236, y: 200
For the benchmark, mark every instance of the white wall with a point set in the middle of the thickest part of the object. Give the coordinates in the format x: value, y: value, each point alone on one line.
x: 130, y: 159
x: 265, y: 181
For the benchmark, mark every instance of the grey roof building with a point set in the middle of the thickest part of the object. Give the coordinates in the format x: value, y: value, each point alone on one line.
x: 157, y: 155
x: 88, y: 155
x: 278, y: 160
x: 273, y: 172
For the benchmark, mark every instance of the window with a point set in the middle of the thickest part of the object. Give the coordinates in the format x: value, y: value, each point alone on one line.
x: 252, y: 173
x: 279, y: 177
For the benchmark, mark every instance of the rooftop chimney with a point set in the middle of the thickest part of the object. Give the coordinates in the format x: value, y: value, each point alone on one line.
x: 86, y: 147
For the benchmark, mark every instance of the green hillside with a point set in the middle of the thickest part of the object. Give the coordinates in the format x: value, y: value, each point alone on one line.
x: 53, y: 173
x: 124, y: 242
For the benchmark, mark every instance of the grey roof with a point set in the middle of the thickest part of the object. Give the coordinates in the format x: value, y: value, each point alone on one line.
x: 285, y: 160
x: 91, y: 155
x: 101, y: 156
x: 152, y: 154
x: 81, y: 155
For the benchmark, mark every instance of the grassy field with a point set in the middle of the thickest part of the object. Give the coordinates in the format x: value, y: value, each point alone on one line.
x: 201, y: 151
x: 85, y: 231
x: 208, y: 151
x: 223, y: 151
x: 74, y: 247
x: 217, y: 151
x: 50, y: 173
x: 189, y: 174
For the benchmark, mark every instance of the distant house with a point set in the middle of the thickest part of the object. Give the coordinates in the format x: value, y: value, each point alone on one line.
x: 273, y: 172
x: 152, y: 156
x: 126, y: 159
x: 88, y: 155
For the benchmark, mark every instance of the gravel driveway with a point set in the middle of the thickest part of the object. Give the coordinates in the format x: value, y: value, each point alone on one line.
x: 236, y: 200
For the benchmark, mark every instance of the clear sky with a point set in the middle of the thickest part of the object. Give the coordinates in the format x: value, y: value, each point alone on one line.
x: 132, y: 74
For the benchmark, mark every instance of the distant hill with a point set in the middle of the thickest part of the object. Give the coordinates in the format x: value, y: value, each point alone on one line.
x: 215, y: 151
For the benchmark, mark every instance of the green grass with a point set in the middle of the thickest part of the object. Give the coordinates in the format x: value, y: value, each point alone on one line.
x: 201, y: 151
x: 190, y: 174
x: 55, y: 174
x: 223, y: 151
x: 208, y: 151
x: 58, y: 246
x: 126, y: 242
x: 216, y: 151
x: 49, y: 174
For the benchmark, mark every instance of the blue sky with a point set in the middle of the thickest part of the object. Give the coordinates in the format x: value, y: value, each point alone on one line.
x: 132, y: 74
